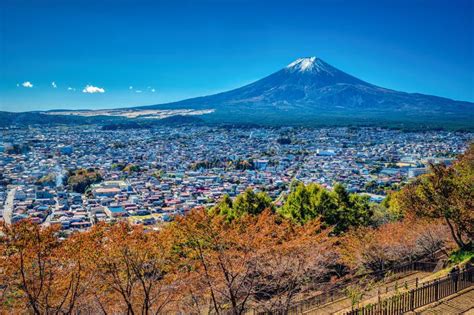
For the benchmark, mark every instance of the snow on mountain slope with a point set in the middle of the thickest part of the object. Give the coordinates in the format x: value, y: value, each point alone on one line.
x: 309, y: 64
x: 309, y: 89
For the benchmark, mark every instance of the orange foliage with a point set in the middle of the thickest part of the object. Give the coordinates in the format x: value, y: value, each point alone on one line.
x: 202, y: 262
x: 393, y: 243
x: 446, y: 192
x: 38, y: 271
x: 131, y: 269
x: 253, y: 260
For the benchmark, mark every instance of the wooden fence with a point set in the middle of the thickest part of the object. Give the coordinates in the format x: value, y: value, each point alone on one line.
x: 338, y: 292
x: 423, y: 295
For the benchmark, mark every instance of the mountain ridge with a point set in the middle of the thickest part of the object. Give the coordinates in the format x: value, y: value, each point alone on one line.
x: 309, y: 91
x: 324, y: 93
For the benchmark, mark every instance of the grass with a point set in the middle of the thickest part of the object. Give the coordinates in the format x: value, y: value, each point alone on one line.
x: 457, y: 258
x: 461, y: 256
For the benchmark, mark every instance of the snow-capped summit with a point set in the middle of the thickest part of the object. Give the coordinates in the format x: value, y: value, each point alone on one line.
x: 309, y: 64
x: 311, y: 91
x: 302, y: 64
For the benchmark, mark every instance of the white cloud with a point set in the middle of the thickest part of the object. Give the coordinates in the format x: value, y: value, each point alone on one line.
x: 138, y: 91
x: 71, y: 89
x: 92, y: 89
x: 27, y: 84
x: 53, y: 84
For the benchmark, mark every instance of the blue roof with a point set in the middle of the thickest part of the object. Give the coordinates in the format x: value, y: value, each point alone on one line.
x: 116, y: 209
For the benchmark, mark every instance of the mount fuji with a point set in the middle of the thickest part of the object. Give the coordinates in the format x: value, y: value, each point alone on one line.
x: 310, y: 91
x: 307, y: 92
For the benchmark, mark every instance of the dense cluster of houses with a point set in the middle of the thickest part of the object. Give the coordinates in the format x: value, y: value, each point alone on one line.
x: 151, y: 175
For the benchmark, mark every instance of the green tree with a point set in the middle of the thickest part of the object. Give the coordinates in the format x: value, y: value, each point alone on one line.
x: 79, y: 180
x: 251, y: 202
x: 224, y: 207
x: 303, y: 202
x: 338, y: 208
x: 248, y: 202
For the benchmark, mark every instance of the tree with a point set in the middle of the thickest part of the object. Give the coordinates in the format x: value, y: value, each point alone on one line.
x: 352, y: 211
x: 284, y: 140
x: 47, y: 180
x: 79, y: 180
x: 131, y: 269
x: 248, y: 202
x: 258, y: 261
x: 252, y: 203
x: 300, y: 203
x: 132, y: 168
x: 379, y: 248
x: 224, y: 207
x: 39, y: 275
x: 219, y: 260
x: 298, y: 264
x: 338, y: 208
x: 445, y: 192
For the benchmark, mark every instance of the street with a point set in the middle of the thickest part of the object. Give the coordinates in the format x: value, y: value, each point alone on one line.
x: 8, y: 210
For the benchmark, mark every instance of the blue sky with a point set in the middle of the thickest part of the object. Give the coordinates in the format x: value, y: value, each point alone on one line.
x: 172, y: 50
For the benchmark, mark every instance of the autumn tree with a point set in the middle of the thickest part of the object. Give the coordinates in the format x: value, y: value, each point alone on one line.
x: 47, y: 180
x: 218, y: 260
x: 38, y: 273
x: 132, y: 168
x: 131, y: 267
x: 394, y: 243
x: 259, y: 261
x: 446, y: 192
x: 301, y: 262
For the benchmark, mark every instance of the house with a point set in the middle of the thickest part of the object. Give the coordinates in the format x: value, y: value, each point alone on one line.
x: 115, y: 211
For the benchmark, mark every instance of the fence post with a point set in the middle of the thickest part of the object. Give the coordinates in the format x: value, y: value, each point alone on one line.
x: 416, y: 282
x: 436, y: 290
x: 412, y: 300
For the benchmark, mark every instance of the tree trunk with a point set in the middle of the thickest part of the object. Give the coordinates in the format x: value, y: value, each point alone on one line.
x: 455, y: 236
